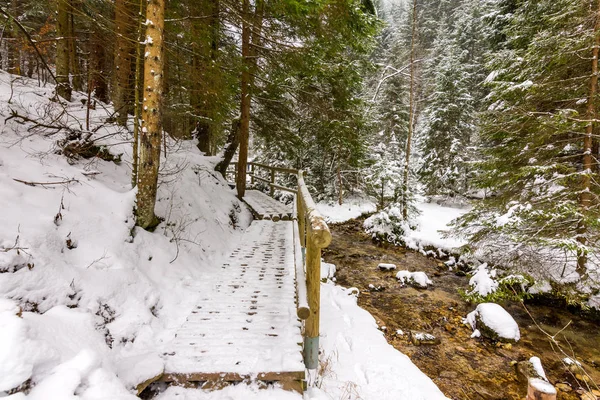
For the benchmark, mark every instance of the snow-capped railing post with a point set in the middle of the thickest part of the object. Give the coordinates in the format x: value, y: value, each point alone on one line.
x: 316, y: 237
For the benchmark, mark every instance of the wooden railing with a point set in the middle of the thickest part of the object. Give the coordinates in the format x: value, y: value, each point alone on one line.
x: 311, y: 235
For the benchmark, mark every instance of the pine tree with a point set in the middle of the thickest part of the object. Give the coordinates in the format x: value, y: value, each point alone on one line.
x: 538, y: 138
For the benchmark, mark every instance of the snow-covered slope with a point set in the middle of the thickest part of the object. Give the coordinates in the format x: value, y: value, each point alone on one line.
x: 98, y: 295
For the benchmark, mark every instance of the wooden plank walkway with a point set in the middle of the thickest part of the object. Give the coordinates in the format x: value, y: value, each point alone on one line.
x: 265, y: 207
x: 245, y: 326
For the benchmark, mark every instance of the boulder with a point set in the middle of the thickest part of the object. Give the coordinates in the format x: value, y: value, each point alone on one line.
x: 494, y: 323
x: 417, y: 279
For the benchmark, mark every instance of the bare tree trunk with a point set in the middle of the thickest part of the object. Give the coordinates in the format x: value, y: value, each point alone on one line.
x: 588, y: 157
x: 151, y: 115
x: 123, y: 49
x: 245, y: 102
x: 73, y: 59
x: 12, y: 46
x: 233, y: 141
x: 340, y: 184
x: 411, y: 114
x: 249, y: 27
x: 138, y: 85
x: 63, y: 85
x: 97, y: 54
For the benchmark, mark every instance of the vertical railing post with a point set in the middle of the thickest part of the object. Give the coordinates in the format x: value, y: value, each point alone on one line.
x: 272, y: 182
x: 313, y: 288
x: 314, y: 236
x: 252, y: 174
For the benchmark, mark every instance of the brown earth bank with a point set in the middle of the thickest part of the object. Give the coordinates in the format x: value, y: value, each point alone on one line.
x: 462, y: 367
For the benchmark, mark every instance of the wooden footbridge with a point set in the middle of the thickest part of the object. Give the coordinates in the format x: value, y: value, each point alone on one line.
x: 262, y: 321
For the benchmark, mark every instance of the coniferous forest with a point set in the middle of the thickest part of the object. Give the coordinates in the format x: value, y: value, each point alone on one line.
x: 464, y: 130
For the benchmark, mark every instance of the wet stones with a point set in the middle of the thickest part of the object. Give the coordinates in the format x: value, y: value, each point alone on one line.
x: 423, y: 339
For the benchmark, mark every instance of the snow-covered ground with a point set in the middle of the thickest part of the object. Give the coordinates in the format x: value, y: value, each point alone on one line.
x: 351, y: 208
x: 87, y: 299
x: 97, y: 295
x: 356, y: 362
x: 432, y: 221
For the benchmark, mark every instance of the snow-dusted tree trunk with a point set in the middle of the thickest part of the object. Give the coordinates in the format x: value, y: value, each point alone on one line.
x: 63, y: 85
x: 251, y: 25
x: 137, y: 100
x: 73, y: 59
x: 588, y: 144
x: 123, y: 49
x: 411, y: 113
x: 12, y: 46
x: 149, y: 158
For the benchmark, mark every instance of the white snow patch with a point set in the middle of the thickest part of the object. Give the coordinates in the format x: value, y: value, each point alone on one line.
x: 483, y: 281
x: 419, y: 278
x: 327, y: 270
x: 386, y: 267
x: 537, y: 365
x: 542, y: 386
x: 433, y: 220
x: 351, y: 208
x: 496, y: 318
x: 360, y: 358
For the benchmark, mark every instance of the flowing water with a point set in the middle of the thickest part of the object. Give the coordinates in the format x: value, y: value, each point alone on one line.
x: 462, y: 367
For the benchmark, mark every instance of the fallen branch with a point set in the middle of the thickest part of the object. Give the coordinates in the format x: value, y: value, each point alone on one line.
x: 28, y: 183
x: 37, y: 124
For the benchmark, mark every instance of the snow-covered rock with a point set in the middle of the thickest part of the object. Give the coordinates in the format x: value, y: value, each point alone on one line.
x: 417, y: 279
x: 386, y: 266
x: 327, y: 270
x: 494, y: 323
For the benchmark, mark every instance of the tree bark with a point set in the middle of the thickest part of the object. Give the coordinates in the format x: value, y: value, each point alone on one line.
x: 99, y: 86
x: 233, y: 141
x: 12, y: 46
x: 411, y: 114
x: 137, y: 108
x: 73, y: 59
x: 63, y: 84
x: 250, y: 26
x: 588, y: 156
x: 149, y: 159
x: 123, y: 59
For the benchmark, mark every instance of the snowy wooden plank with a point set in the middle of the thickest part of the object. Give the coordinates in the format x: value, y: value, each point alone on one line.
x: 246, y: 324
x: 265, y: 207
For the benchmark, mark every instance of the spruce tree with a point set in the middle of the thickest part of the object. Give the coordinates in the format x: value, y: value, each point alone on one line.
x: 539, y: 150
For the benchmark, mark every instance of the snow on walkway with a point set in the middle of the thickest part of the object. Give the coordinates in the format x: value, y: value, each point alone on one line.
x: 360, y: 364
x: 245, y: 321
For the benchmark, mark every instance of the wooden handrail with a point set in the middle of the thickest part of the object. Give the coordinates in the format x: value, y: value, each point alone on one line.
x: 314, y: 236
x: 303, y: 309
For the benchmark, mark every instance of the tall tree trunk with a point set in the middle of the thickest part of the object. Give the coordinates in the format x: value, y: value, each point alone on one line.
x: 151, y: 115
x: 73, y: 59
x: 137, y: 105
x: 123, y: 49
x: 233, y: 141
x: 588, y: 156
x: 63, y: 85
x: 250, y: 26
x: 204, y: 106
x: 97, y: 60
x: 411, y: 114
x: 12, y: 47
